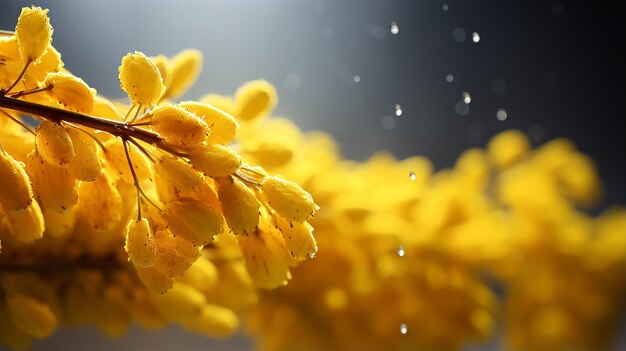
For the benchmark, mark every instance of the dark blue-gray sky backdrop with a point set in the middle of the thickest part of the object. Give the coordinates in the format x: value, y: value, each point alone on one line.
x: 556, y: 68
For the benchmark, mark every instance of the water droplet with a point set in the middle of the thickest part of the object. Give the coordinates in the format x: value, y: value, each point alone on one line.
x: 445, y: 7
x: 449, y: 78
x: 357, y: 78
x: 389, y: 122
x: 398, y: 110
x: 401, y: 251
x: 501, y: 114
x: 403, y: 329
x: 312, y: 255
x: 461, y: 108
x: 394, y: 28
x: 467, y: 98
x: 475, y: 37
x: 459, y: 34
x: 412, y: 176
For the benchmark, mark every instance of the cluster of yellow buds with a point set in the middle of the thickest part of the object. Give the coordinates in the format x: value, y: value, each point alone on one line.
x: 415, y: 260
x: 205, y: 232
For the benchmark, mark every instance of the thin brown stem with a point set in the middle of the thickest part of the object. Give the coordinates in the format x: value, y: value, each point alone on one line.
x: 19, y: 122
x: 140, y: 191
x: 28, y: 62
x: 247, y: 179
x: 137, y: 187
x: 88, y: 134
x: 29, y: 92
x: 148, y: 154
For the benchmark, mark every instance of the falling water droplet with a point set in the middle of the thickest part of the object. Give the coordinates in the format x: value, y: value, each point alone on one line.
x: 501, y: 114
x: 398, y: 110
x: 475, y: 37
x: 449, y: 78
x: 412, y: 176
x: 401, y: 251
x: 445, y: 7
x: 403, y: 328
x: 395, y: 29
x: 357, y: 78
x: 467, y: 98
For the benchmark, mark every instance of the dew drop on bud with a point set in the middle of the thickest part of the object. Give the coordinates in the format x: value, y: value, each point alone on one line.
x: 401, y: 251
x: 398, y: 110
x: 403, y: 328
x: 394, y: 28
x: 412, y: 176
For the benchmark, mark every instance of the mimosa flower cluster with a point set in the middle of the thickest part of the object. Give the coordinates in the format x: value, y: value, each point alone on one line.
x: 114, y: 213
x: 500, y: 245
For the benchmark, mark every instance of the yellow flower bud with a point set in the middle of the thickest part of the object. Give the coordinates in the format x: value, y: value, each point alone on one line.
x: 26, y: 225
x: 272, y: 152
x: 154, y: 280
x: 239, y: 204
x: 193, y: 220
x: 16, y: 192
x: 100, y: 203
x: 256, y: 99
x: 298, y: 237
x: 140, y: 79
x: 180, y: 303
x: 116, y: 157
x: 178, y: 173
x: 54, y: 143
x: 86, y: 165
x: 178, y: 126
x: 140, y: 243
x: 215, y: 321
x: 185, y: 70
x: 31, y: 316
x: 215, y: 160
x: 165, y: 68
x: 55, y: 188
x: 33, y: 32
x: 222, y: 125
x: 507, y: 148
x: 266, y: 257
x: 202, y: 275
x: 106, y: 109
x: 70, y: 91
x: 9, y: 70
x: 174, y: 255
x: 37, y: 72
x: 579, y: 180
x: 288, y: 199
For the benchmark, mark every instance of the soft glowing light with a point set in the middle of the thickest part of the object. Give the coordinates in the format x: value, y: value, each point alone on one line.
x: 501, y: 114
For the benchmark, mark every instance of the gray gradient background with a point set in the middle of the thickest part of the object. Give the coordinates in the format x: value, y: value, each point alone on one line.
x: 562, y: 64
